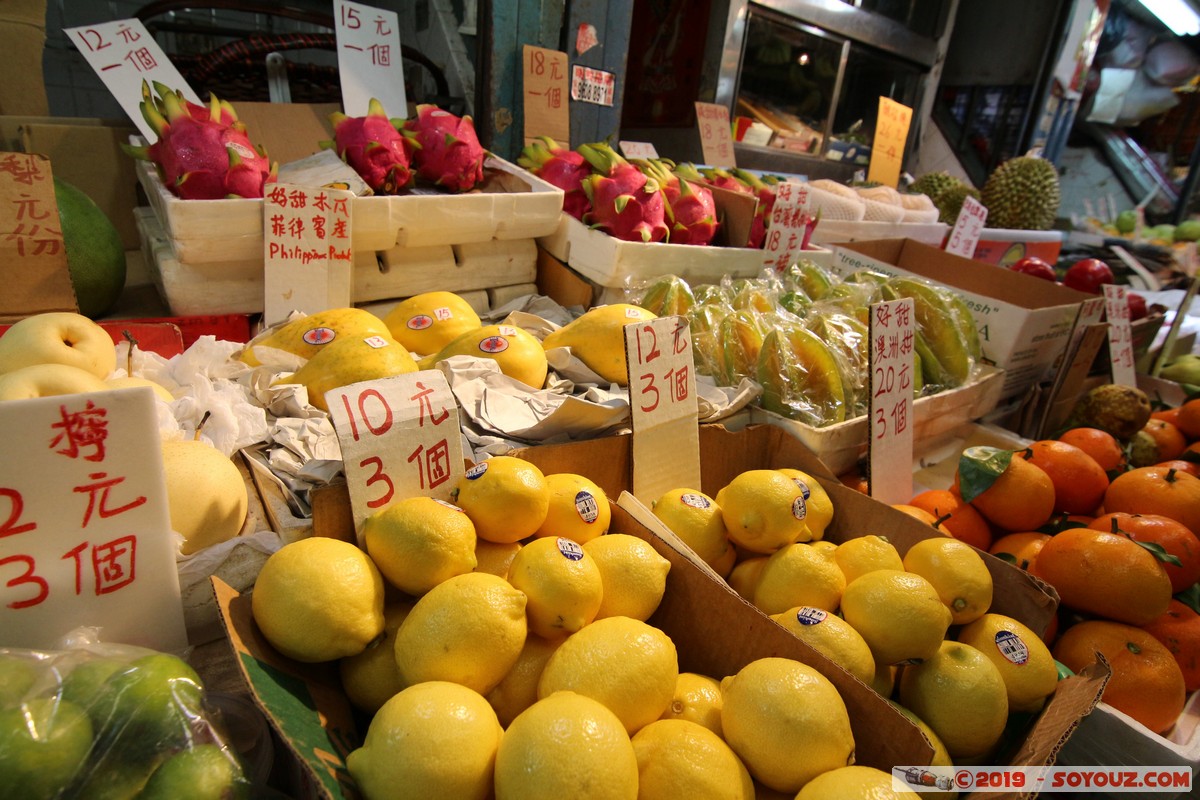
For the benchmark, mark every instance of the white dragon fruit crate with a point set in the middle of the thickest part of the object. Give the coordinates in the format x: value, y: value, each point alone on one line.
x: 510, y: 204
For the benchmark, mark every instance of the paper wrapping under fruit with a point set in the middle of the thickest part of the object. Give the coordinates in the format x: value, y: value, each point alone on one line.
x: 92, y: 715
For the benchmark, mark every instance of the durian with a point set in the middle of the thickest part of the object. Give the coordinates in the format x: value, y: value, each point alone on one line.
x: 949, y: 203
x: 1022, y: 193
x: 934, y: 183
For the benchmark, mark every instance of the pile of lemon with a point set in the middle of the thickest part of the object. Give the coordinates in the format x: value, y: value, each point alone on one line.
x: 501, y: 646
x: 915, y: 628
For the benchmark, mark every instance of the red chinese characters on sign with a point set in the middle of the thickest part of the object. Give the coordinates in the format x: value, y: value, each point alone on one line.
x: 1120, y: 335
x: 593, y: 85
x: 380, y: 51
x: 789, y: 221
x: 716, y: 140
x: 547, y: 71
x: 79, y: 434
x: 663, y: 368
x: 328, y: 220
x: 119, y: 48
x: 36, y: 231
x: 967, y: 228
x: 892, y: 368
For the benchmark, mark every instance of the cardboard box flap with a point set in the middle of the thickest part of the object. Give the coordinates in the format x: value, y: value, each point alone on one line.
x: 1073, y: 699
x: 303, y: 702
x: 288, y: 131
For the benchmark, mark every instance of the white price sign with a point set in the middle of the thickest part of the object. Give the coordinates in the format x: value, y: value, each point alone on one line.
x: 593, y: 85
x: 369, y: 62
x: 789, y: 216
x: 890, y: 362
x: 1120, y: 335
x: 638, y: 150
x: 400, y: 438
x: 964, y: 237
x: 663, y: 406
x: 308, y: 261
x: 85, y: 535
x: 126, y: 56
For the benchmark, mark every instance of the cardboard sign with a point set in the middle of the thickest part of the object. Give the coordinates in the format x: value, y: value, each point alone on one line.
x: 546, y: 92
x: 369, y: 62
x: 85, y: 535
x: 638, y: 150
x: 887, y: 147
x: 786, y: 231
x: 663, y: 405
x: 34, y: 259
x: 1120, y: 335
x: 594, y: 86
x: 716, y: 139
x: 890, y: 363
x: 126, y: 57
x: 399, y: 438
x: 306, y: 250
x: 964, y: 237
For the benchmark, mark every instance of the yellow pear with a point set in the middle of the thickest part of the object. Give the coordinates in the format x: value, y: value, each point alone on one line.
x: 350, y: 359
x: 58, y: 337
x: 427, y: 322
x: 307, y: 336
x: 517, y: 352
x: 48, y: 380
x: 128, y: 381
x: 598, y: 339
x: 206, y: 494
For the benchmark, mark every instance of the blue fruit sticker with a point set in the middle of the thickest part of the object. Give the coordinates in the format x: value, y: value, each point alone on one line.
x: 807, y: 615
x: 694, y: 500
x: 799, y: 508
x: 477, y: 471
x: 1012, y: 647
x: 586, y: 506
x: 569, y: 549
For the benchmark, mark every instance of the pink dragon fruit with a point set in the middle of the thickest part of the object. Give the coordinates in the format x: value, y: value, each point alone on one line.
x: 560, y: 167
x: 450, y: 154
x: 201, y: 154
x: 625, y: 203
x: 691, y: 211
x: 375, y: 147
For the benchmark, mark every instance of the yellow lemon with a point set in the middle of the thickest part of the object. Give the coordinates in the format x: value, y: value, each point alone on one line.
x: 677, y: 758
x: 371, y: 678
x: 820, y: 507
x: 763, y: 510
x: 518, y: 690
x: 959, y: 693
x: 427, y: 322
x: 833, y: 637
x: 898, y: 613
x: 743, y: 578
x: 696, y: 519
x: 777, y: 707
x: 941, y: 758
x: 884, y: 682
x: 1024, y: 661
x: 563, y: 583
x: 469, y: 629
x: 863, y: 783
x: 824, y: 546
x: 419, y: 542
x: 506, y: 497
x: 318, y: 599
x: 517, y: 352
x: 627, y: 665
x: 494, y: 557
x: 863, y: 554
x: 307, y: 336
x: 578, y: 509
x: 598, y: 339
x: 566, y: 745
x: 799, y: 575
x: 697, y: 699
x: 957, y: 572
x: 433, y: 739
x: 633, y: 573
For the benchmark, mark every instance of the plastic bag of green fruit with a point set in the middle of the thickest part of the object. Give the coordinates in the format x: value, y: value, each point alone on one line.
x: 101, y: 720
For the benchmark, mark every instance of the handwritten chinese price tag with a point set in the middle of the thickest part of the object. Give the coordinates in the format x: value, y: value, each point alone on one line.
x: 662, y: 402
x: 306, y: 243
x: 400, y: 438
x: 369, y: 63
x: 887, y: 148
x: 546, y: 93
x: 890, y: 362
x: 125, y: 55
x: 638, y: 150
x: 594, y: 86
x: 31, y: 242
x: 1120, y: 335
x: 85, y: 535
x: 785, y: 234
x: 716, y: 140
x: 964, y: 237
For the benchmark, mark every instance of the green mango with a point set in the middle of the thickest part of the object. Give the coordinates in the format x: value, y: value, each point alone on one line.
x: 1185, y: 369
x: 800, y: 377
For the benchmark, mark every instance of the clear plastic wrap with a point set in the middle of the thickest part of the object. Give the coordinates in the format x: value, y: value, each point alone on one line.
x: 946, y: 341
x: 800, y: 376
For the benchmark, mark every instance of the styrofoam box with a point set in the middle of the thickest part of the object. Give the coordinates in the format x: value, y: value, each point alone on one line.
x: 829, y: 231
x: 518, y: 206
x: 840, y: 446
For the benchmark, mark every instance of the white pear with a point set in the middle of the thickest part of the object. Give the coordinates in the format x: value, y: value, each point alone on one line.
x: 206, y: 494
x: 47, y: 380
x: 58, y: 337
x: 127, y: 381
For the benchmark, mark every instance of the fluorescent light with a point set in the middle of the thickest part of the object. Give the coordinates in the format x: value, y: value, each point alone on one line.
x: 1177, y: 15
